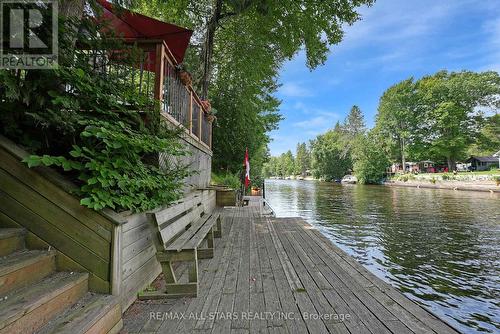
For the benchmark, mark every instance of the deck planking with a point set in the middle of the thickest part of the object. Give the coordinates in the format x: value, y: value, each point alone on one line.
x: 285, y: 266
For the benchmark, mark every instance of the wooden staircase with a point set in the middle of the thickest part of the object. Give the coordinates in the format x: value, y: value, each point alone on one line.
x: 35, y: 298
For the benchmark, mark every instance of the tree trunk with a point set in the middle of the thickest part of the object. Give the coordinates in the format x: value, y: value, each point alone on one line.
x: 403, y: 160
x: 208, y: 48
x: 452, y: 164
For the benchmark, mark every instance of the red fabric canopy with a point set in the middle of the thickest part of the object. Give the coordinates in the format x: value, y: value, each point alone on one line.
x: 130, y: 25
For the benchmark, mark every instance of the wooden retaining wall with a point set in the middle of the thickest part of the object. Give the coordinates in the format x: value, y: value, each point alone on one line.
x: 117, y: 250
x: 32, y: 200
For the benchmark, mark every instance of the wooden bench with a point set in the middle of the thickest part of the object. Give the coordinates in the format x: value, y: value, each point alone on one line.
x: 186, y: 233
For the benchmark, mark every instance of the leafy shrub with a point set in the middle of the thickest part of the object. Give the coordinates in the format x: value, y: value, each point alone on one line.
x: 226, y: 179
x: 370, y: 161
x: 432, y: 180
x: 108, y: 159
x: 85, y: 121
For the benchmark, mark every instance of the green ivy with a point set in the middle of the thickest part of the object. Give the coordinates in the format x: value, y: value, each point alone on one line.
x: 110, y: 165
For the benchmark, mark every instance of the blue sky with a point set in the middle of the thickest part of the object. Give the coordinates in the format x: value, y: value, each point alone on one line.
x: 396, y: 39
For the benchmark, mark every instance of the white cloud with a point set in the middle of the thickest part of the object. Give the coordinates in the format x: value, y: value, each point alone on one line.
x: 492, y: 51
x: 294, y: 89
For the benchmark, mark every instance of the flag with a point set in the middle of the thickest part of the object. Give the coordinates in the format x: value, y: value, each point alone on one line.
x: 247, y: 169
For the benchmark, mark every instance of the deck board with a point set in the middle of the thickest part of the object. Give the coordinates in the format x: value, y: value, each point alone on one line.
x: 284, y: 266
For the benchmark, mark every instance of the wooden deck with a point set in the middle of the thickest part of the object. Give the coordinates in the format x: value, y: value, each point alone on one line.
x: 280, y: 275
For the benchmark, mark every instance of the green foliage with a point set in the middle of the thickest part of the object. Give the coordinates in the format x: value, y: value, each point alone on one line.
x: 113, y: 174
x: 85, y: 122
x: 329, y: 157
x: 251, y: 41
x: 226, y: 179
x: 441, y: 116
x: 302, y: 160
x: 370, y: 160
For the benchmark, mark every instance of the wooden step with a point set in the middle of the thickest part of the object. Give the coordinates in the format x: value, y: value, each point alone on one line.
x: 11, y: 240
x: 25, y: 310
x: 24, y: 267
x: 94, y: 313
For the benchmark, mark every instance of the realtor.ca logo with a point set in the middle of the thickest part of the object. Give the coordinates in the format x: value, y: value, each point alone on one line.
x: 28, y: 34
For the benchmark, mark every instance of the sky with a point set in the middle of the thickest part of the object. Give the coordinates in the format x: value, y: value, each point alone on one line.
x: 395, y: 40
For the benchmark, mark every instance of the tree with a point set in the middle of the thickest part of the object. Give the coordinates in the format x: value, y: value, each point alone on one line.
x: 452, y: 105
x: 329, y: 160
x: 397, y: 117
x: 488, y: 140
x: 302, y: 160
x: 370, y: 160
x: 238, y: 47
x: 354, y: 124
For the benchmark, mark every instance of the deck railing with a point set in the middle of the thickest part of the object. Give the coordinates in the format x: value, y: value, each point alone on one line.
x: 179, y: 103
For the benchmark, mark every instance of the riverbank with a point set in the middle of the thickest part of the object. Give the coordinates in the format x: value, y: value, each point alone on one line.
x: 461, y: 182
x: 450, y: 185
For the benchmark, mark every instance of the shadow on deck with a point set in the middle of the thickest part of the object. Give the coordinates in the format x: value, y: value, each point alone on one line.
x: 280, y: 275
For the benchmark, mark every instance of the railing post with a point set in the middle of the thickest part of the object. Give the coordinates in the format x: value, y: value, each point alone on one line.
x: 210, y: 136
x: 191, y: 112
x: 159, y: 69
x: 200, y: 120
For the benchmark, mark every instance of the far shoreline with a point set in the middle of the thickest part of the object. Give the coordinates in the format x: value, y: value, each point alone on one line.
x: 443, y: 185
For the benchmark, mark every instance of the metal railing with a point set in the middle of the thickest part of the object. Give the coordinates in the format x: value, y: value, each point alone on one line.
x: 179, y: 103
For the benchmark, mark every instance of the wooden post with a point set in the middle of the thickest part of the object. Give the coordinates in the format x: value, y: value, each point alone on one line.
x: 116, y: 261
x: 159, y: 69
x: 191, y: 112
x: 200, y: 120
x: 210, y: 137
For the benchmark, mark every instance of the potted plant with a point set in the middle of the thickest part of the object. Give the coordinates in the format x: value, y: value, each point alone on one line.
x: 207, y: 106
x: 211, y: 115
x: 184, y: 75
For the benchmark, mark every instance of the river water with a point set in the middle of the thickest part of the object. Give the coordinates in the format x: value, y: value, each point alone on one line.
x: 441, y: 248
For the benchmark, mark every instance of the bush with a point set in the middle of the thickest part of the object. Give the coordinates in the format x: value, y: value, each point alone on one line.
x: 370, y: 161
x: 226, y: 179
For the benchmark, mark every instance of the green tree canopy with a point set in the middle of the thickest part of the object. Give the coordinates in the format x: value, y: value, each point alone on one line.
x: 238, y: 47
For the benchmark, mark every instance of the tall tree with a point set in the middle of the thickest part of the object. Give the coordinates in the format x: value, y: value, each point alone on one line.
x: 329, y: 160
x: 397, y: 117
x: 302, y: 159
x: 453, y: 105
x: 370, y: 159
x: 354, y: 124
x: 238, y: 47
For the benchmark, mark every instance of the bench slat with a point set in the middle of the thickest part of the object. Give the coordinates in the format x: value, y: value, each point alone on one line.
x: 200, y: 235
x: 166, y: 214
x: 178, y: 226
x: 180, y: 242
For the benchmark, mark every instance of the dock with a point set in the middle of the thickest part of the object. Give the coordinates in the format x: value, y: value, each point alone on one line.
x: 281, y: 275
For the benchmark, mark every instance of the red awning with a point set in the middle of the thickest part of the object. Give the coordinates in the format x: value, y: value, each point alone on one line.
x: 130, y: 25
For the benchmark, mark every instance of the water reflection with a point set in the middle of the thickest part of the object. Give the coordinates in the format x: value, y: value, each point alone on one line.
x: 440, y: 247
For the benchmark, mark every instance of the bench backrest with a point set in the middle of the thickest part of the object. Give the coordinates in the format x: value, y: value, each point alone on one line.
x: 173, y: 220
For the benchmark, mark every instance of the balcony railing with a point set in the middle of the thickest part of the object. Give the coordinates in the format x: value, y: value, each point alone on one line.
x: 179, y: 103
x: 155, y: 76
